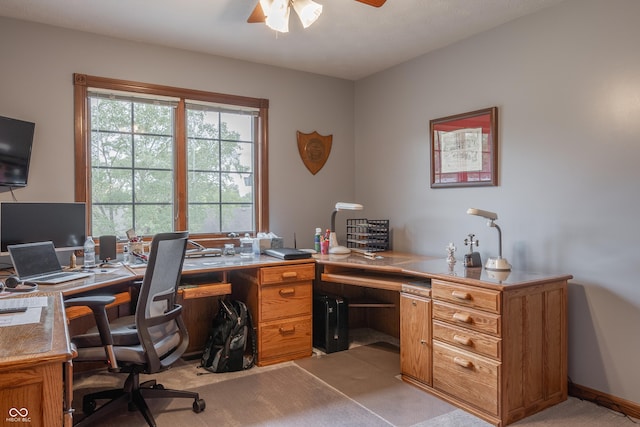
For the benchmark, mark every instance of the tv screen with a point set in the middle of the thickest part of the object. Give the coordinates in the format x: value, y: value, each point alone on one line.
x: 16, y: 139
x: 26, y: 222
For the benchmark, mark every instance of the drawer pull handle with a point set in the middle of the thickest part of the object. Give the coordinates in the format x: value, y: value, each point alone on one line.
x: 462, y: 317
x: 287, y: 292
x: 287, y: 330
x: 423, y: 342
x: 462, y: 340
x: 461, y: 295
x: 289, y: 275
x: 462, y: 362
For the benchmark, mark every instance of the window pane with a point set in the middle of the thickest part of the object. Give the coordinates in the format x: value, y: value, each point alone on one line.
x: 220, y: 170
x: 111, y: 186
x: 153, y: 119
x: 204, y: 187
x: 153, y: 186
x: 132, y: 162
x: 240, y: 125
x: 237, y: 218
x: 111, y: 219
x: 153, y: 152
x: 202, y: 124
x: 204, y: 219
x: 203, y: 154
x: 110, y: 149
x: 110, y: 115
x: 152, y: 219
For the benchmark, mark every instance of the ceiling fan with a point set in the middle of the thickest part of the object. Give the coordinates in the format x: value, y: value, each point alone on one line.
x: 275, y: 13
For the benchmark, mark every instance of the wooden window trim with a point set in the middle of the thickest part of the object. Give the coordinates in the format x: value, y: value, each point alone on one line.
x: 82, y: 83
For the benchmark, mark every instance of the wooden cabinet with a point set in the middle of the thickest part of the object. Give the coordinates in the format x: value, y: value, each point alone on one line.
x: 465, y: 316
x: 498, y: 353
x: 35, y: 361
x: 280, y: 299
x: 415, y: 337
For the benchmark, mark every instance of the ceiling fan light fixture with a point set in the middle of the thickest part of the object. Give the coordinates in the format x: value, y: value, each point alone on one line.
x: 278, y: 15
x: 308, y: 11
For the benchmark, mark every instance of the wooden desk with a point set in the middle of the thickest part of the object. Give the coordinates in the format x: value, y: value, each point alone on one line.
x: 32, y: 360
x: 205, y: 280
x: 492, y: 343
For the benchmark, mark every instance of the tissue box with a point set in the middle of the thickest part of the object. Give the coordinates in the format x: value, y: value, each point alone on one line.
x: 277, y: 242
x: 264, y: 243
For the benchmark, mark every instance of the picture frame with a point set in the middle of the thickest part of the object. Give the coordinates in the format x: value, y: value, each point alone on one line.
x: 464, y: 149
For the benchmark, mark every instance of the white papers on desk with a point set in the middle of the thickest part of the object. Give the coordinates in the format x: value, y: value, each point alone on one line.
x: 32, y: 315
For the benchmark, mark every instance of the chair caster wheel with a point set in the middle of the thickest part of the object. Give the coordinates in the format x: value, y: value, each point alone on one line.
x: 199, y: 405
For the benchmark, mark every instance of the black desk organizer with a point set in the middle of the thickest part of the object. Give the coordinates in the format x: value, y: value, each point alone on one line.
x: 371, y: 235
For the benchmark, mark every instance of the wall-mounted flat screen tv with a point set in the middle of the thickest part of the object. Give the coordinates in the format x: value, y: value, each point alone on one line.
x: 16, y: 140
x: 26, y: 222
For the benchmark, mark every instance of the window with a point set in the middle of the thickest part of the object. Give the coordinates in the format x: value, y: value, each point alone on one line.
x: 156, y: 158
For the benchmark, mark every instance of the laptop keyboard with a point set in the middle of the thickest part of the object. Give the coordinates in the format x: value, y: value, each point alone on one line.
x: 53, y: 276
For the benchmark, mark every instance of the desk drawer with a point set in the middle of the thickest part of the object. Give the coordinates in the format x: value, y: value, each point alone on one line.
x: 468, y: 296
x: 287, y: 273
x: 467, y: 317
x: 467, y: 339
x: 285, y: 300
x: 285, y: 340
x: 467, y: 377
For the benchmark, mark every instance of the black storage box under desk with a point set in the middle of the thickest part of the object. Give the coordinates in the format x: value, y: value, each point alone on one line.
x: 330, y: 323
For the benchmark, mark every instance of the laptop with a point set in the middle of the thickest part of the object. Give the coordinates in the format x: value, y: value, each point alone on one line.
x: 38, y: 262
x: 287, y: 253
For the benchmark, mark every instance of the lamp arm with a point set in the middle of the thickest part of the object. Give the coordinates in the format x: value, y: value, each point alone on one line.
x: 333, y: 220
x: 499, y: 239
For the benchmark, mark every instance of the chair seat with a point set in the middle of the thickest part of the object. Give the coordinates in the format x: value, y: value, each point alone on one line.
x: 123, y: 331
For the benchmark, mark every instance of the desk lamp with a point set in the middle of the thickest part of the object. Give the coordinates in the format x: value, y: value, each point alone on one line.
x: 334, y: 247
x: 499, y: 263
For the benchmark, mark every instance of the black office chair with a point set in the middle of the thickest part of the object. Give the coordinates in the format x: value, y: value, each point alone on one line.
x: 148, y: 342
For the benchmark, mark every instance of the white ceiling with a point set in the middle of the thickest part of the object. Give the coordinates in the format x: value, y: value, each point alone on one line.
x: 350, y: 40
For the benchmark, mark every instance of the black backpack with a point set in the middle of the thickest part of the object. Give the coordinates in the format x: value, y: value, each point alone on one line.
x: 231, y: 334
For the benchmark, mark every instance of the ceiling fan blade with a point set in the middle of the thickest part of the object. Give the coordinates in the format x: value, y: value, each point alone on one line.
x: 374, y: 3
x: 257, y: 15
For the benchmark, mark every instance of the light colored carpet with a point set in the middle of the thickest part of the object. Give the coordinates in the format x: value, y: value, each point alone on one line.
x: 370, y: 375
x: 358, y: 387
x: 287, y: 396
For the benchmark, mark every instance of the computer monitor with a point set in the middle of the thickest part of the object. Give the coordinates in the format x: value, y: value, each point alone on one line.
x: 26, y: 222
x: 16, y: 139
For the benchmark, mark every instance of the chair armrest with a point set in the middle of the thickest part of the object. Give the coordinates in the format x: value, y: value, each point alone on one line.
x: 94, y: 301
x: 97, y: 304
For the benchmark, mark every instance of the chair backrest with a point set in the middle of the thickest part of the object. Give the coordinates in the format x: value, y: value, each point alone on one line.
x: 161, y: 329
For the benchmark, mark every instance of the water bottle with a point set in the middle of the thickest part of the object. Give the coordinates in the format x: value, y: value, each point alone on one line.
x: 316, y: 240
x: 246, y: 246
x: 89, y: 253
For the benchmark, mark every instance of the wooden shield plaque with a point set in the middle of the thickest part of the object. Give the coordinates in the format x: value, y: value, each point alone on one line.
x: 314, y: 149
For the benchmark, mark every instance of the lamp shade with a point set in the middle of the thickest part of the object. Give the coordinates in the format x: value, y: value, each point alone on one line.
x: 277, y: 15
x: 334, y: 247
x: 308, y: 11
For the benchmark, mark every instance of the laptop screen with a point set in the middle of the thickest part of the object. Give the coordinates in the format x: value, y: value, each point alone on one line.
x: 33, y: 259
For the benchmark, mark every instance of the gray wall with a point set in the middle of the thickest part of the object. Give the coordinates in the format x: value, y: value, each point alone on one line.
x: 36, y: 69
x: 567, y: 84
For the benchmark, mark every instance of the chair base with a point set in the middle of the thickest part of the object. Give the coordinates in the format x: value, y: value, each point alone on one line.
x: 133, y: 395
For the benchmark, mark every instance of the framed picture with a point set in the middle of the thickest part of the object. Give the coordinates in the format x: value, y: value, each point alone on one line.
x: 464, y: 149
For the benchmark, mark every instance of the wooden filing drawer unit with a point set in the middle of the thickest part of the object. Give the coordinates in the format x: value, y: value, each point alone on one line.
x: 467, y: 317
x: 498, y: 352
x: 280, y: 299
